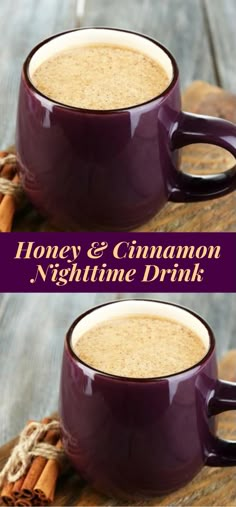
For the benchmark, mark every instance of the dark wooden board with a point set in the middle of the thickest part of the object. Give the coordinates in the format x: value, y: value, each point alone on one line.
x: 208, y: 216
x: 212, y: 486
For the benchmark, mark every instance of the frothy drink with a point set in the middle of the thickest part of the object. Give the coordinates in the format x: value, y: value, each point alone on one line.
x: 141, y: 346
x: 100, y: 76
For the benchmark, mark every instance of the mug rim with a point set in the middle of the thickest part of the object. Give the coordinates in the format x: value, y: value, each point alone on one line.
x: 68, y: 339
x: 99, y: 111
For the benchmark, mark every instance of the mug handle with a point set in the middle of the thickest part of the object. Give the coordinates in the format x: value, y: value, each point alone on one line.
x: 190, y: 129
x: 223, y: 452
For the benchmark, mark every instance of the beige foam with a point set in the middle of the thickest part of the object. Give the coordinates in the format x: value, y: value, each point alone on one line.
x: 100, y: 76
x: 140, y: 346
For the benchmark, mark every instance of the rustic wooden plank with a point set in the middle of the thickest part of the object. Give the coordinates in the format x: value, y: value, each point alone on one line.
x: 221, y: 17
x: 209, y: 216
x: 178, y: 24
x: 80, y: 5
x: 32, y: 336
x: 212, y: 487
x: 23, y: 23
x: 33, y: 327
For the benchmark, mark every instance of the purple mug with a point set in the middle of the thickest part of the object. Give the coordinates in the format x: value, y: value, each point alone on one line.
x: 112, y: 169
x: 134, y: 438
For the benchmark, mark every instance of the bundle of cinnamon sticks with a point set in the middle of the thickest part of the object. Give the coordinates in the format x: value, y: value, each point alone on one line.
x: 7, y: 201
x: 37, y: 486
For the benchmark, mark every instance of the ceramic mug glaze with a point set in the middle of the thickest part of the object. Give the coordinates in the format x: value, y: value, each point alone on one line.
x: 112, y: 169
x: 136, y: 438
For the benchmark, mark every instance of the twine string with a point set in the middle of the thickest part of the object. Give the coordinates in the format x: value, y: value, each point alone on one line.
x: 8, y: 187
x: 28, y: 447
x: 8, y: 159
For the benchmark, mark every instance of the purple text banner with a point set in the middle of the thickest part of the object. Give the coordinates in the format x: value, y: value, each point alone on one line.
x: 118, y: 262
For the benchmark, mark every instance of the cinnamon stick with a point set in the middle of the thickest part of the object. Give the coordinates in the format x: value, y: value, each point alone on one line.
x: 37, y: 486
x: 3, y: 154
x: 7, y: 209
x: 40, y: 499
x: 48, y: 478
x: 39, y: 462
x: 9, y: 490
x: 17, y: 486
x: 23, y: 502
x: 7, y: 501
x: 6, y: 494
x: 8, y: 171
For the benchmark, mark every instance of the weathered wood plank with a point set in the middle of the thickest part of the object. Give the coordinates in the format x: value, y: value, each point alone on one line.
x: 32, y: 336
x: 178, y: 24
x: 33, y: 327
x: 221, y: 19
x: 23, y: 23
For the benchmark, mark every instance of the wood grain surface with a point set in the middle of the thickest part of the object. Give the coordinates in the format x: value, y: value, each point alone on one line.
x: 208, y: 216
x: 220, y: 18
x: 24, y: 23
x: 211, y: 487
